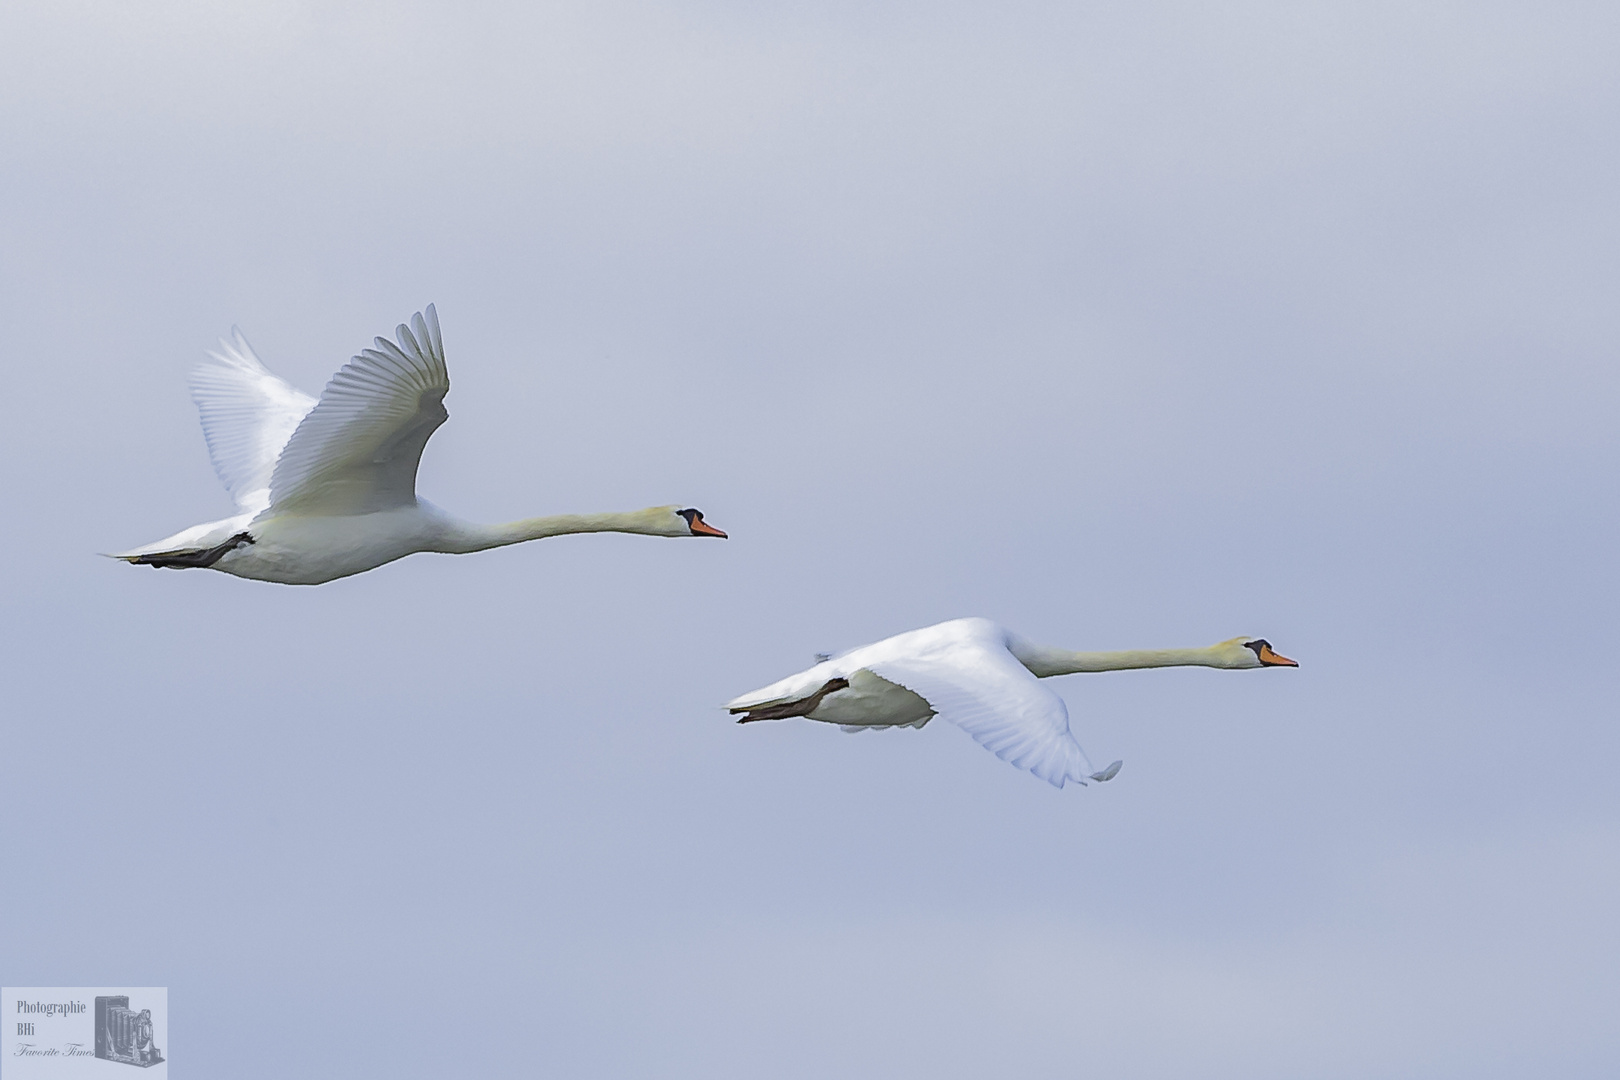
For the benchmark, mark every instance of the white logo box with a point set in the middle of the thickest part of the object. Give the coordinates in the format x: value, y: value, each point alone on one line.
x: 66, y: 1032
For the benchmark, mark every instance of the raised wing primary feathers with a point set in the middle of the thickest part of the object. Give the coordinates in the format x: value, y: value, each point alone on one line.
x: 358, y: 449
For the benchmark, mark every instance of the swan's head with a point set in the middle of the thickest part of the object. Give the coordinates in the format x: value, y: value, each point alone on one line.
x: 690, y: 522
x: 1251, y: 652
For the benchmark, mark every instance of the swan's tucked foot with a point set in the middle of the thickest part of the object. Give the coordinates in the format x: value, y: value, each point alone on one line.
x: 1108, y: 773
x: 802, y: 707
x: 188, y: 560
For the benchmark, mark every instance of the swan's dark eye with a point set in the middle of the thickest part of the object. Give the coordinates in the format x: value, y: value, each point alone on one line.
x: 1257, y: 645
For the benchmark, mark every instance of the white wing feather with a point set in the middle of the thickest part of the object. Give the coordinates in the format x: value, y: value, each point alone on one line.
x: 248, y: 415
x: 965, y: 673
x: 358, y: 449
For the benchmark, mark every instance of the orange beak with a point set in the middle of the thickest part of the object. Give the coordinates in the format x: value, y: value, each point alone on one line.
x: 700, y: 528
x: 1271, y: 659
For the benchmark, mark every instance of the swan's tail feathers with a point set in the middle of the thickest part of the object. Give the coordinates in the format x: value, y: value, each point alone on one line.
x: 801, y: 707
x: 1108, y: 773
x: 186, y: 558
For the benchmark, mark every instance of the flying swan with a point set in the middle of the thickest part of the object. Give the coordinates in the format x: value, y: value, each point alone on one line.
x: 327, y: 488
x: 982, y: 678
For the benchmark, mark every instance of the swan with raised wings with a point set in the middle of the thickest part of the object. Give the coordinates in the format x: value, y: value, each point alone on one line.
x: 327, y: 488
x: 982, y: 678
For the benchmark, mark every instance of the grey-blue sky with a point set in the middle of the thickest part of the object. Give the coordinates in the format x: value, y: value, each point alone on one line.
x: 1139, y: 325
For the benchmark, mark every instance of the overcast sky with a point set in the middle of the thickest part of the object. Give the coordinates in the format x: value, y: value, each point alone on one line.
x: 1133, y: 325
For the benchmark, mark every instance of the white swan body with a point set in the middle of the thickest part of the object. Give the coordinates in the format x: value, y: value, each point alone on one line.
x: 980, y: 677
x: 327, y: 488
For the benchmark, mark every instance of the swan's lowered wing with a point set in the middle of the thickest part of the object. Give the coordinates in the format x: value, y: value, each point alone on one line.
x: 979, y: 686
x: 247, y: 416
x: 357, y: 450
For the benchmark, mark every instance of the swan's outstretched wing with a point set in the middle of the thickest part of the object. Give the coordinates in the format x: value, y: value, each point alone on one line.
x: 247, y: 415
x: 972, y: 680
x: 357, y: 450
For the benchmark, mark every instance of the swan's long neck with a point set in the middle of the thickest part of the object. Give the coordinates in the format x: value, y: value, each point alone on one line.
x: 462, y: 537
x: 1044, y: 661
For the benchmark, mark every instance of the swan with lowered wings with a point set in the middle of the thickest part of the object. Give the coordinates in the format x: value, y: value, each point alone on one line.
x: 985, y: 680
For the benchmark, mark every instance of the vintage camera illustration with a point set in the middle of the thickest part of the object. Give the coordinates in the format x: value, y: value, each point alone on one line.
x: 123, y: 1034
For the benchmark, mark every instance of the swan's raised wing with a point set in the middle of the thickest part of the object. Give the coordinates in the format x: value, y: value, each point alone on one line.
x: 972, y: 680
x: 247, y: 416
x: 357, y: 450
